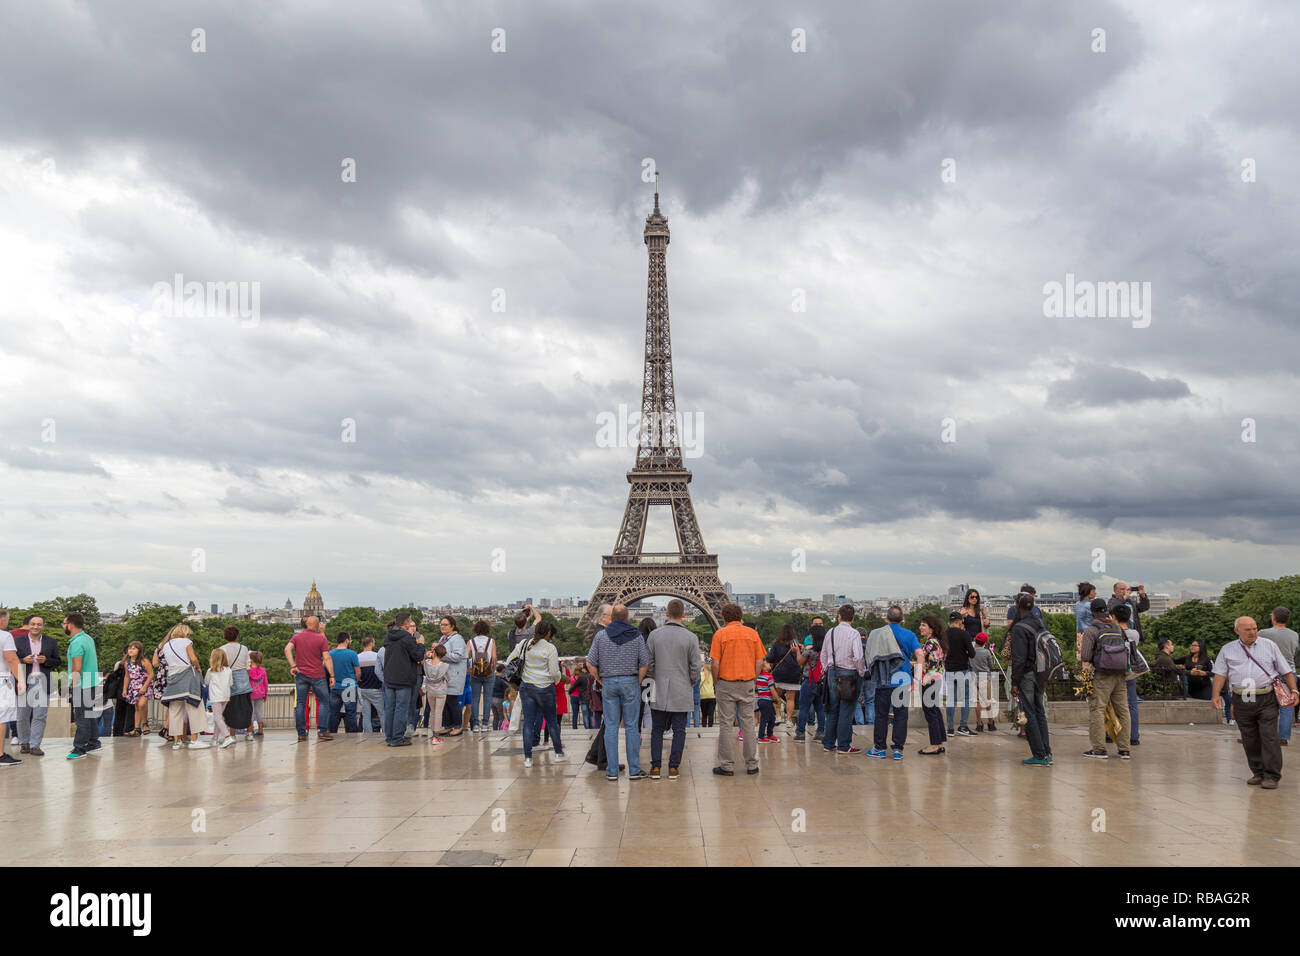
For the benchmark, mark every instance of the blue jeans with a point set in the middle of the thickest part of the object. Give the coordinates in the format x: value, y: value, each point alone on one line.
x: 587, y: 715
x: 397, y: 710
x: 810, y: 704
x: 480, y: 701
x: 539, y: 705
x: 839, y: 715
x: 86, y: 737
x: 1285, y: 721
x: 866, y: 709
x: 343, y: 706
x: 1132, y: 707
x: 320, y: 687
x: 622, y: 696
x: 696, y: 714
x: 959, y: 682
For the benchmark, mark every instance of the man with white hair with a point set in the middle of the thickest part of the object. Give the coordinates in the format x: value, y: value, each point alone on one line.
x: 1247, y: 667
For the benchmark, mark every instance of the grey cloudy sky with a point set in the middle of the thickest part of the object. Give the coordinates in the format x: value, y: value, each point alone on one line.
x: 127, y: 158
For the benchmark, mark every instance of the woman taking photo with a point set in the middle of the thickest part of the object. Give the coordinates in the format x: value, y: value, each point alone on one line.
x: 183, y: 694
x: 787, y: 662
x: 974, y: 618
x: 934, y: 648
x: 537, y: 690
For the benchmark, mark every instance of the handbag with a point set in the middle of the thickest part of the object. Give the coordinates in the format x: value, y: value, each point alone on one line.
x: 1280, y: 689
x: 846, y: 685
x: 514, y: 672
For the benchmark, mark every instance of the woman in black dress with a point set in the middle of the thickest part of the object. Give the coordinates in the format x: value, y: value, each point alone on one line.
x: 974, y: 618
x: 1200, y: 676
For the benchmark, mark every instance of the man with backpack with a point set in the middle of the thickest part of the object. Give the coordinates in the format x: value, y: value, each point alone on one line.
x: 1104, y: 649
x: 482, y: 677
x: 1035, y: 656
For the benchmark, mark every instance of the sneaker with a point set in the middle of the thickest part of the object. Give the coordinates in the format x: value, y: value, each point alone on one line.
x: 951, y: 732
x: 1255, y: 781
x: 8, y: 761
x: 324, y: 735
x: 226, y: 743
x: 200, y: 745
x: 898, y: 755
x: 1049, y: 760
x: 873, y: 752
x: 639, y: 775
x: 828, y: 750
x: 409, y: 732
x: 528, y: 763
x: 800, y: 737
x: 560, y: 758
x: 1136, y: 742
x: 654, y: 772
x: 978, y: 728
x: 1269, y: 783
x: 672, y: 773
x: 751, y: 771
x: 724, y: 773
x: 1124, y: 755
x: 434, y: 740
x: 992, y: 727
x: 404, y: 742
x: 75, y: 756
x: 965, y: 731
x: 611, y: 779
x: 1036, y: 762
x: 37, y: 752
x: 176, y: 745
x: 25, y: 749
x: 1099, y: 754
x: 850, y: 752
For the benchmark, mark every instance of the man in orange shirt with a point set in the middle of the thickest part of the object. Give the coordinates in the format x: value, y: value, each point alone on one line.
x: 735, y: 658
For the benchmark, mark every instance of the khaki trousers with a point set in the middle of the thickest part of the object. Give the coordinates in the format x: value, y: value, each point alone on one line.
x: 736, y: 696
x: 1108, y: 687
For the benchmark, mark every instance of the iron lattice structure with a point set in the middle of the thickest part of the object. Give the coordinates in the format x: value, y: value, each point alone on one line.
x: 659, y: 477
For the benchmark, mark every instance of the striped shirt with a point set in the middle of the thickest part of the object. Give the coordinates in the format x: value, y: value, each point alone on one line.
x: 763, y: 686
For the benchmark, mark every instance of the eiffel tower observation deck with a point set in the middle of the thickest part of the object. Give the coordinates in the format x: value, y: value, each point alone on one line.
x: 659, y: 476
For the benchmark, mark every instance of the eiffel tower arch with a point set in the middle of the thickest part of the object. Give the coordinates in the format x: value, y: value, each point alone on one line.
x: 659, y: 477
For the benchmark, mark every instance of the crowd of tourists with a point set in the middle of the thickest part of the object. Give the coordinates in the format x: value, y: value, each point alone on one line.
x: 664, y: 680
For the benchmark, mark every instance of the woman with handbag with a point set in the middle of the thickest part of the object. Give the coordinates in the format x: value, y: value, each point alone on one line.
x: 787, y: 662
x: 934, y: 649
x: 183, y: 694
x: 239, y: 709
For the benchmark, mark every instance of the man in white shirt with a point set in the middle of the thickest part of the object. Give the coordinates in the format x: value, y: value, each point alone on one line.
x: 1247, y: 667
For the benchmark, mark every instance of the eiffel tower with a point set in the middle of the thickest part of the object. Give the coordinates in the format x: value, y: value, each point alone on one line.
x: 659, y: 477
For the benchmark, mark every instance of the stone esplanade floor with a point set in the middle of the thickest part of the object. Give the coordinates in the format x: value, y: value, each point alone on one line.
x: 1182, y: 800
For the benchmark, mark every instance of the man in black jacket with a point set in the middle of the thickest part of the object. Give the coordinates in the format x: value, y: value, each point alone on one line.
x: 40, y: 655
x: 957, y: 673
x: 1023, y: 641
x: 403, y: 657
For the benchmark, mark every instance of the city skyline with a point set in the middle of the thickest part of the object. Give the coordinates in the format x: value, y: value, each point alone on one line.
x: 418, y: 327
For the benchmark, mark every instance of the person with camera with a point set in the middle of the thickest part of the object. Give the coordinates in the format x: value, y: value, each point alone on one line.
x: 1137, y: 601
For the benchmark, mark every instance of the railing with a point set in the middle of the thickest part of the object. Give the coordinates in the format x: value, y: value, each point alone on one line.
x: 1150, y: 686
x: 635, y: 559
x: 277, y: 710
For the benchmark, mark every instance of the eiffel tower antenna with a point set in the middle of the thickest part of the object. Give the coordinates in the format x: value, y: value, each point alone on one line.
x: 659, y: 477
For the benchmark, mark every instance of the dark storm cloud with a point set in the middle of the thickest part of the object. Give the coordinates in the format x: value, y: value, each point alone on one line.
x: 818, y: 171
x: 1102, y: 385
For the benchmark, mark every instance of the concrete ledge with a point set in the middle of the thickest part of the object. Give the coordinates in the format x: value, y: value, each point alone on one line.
x: 1075, y: 713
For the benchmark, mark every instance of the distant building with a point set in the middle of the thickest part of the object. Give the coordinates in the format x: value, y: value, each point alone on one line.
x: 214, y: 609
x: 755, y: 600
x: 288, y: 605
x: 827, y: 599
x: 957, y: 593
x: 313, y: 605
x: 191, y: 608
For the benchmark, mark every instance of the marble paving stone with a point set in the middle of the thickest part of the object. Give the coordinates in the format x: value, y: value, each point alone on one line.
x: 1182, y: 801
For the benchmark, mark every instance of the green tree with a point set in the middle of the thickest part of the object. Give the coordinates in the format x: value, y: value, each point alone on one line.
x: 1211, y: 623
x: 1257, y: 597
